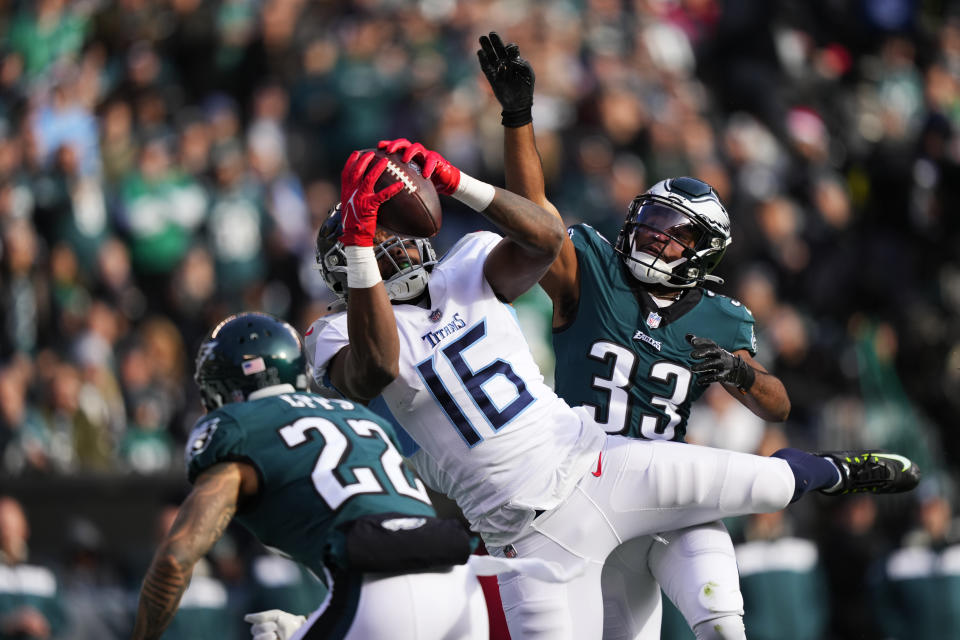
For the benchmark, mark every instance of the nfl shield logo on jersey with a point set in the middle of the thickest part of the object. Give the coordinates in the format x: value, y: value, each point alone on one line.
x: 653, y: 320
x: 435, y: 315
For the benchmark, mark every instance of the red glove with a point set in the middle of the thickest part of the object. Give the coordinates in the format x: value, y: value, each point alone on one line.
x: 445, y: 176
x: 359, y: 202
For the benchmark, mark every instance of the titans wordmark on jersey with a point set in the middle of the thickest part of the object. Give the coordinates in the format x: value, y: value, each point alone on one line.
x: 627, y: 360
x: 493, y: 436
x: 321, y: 462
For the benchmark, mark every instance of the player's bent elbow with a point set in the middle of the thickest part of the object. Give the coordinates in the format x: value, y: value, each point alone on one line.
x: 558, y: 234
x: 779, y: 413
x: 173, y: 559
x: 784, y: 412
x: 372, y: 379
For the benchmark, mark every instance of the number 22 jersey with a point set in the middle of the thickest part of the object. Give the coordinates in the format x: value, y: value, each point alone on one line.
x: 493, y: 436
x: 322, y: 463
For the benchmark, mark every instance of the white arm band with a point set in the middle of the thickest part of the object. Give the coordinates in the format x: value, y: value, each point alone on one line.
x: 362, y: 269
x: 473, y: 193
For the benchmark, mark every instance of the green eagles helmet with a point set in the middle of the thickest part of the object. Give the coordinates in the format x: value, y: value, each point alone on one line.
x: 247, y: 352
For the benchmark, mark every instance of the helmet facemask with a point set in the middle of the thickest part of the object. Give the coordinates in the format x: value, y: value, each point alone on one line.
x: 404, y: 262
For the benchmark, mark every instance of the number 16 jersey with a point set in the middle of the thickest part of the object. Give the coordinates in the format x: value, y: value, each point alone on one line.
x: 493, y: 436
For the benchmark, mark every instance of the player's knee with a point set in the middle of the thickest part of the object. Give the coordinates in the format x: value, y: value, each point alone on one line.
x: 725, y: 628
x: 701, y: 540
x: 772, y: 489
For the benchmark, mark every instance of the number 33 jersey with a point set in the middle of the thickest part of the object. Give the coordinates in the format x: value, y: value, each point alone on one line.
x: 626, y: 360
x: 493, y: 436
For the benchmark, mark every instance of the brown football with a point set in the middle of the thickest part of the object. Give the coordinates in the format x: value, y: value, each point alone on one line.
x: 415, y: 210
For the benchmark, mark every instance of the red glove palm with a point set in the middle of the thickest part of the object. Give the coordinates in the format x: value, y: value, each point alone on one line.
x: 359, y: 202
x: 436, y: 168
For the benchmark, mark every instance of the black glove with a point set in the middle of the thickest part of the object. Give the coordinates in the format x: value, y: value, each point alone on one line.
x: 510, y: 76
x: 719, y: 365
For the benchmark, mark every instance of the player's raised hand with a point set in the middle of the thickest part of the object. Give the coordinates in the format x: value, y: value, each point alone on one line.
x: 273, y: 624
x: 359, y: 201
x: 719, y: 365
x: 511, y: 78
x: 436, y: 168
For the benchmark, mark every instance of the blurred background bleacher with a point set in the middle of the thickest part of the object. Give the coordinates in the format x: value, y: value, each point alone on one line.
x: 166, y: 162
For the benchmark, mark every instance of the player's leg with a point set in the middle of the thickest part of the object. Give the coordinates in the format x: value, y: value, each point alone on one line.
x: 570, y: 610
x: 647, y: 487
x: 643, y: 488
x: 431, y: 605
x: 631, y: 596
x: 698, y: 571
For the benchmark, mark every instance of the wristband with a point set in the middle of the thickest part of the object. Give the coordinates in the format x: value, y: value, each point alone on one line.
x: 744, y: 375
x: 473, y: 193
x: 516, y: 117
x: 362, y: 269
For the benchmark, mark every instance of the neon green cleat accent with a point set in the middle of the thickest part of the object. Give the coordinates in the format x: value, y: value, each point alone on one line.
x: 873, y: 472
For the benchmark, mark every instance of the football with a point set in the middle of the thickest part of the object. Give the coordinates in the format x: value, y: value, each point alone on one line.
x: 415, y: 210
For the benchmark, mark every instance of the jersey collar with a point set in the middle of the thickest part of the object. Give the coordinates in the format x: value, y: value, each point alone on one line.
x: 668, y: 314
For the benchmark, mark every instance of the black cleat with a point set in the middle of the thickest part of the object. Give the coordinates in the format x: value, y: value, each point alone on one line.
x: 873, y: 472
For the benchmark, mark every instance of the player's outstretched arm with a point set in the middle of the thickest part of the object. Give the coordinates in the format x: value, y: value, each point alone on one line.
x: 371, y: 361
x: 533, y: 240
x: 512, y: 79
x: 533, y: 235
x: 202, y: 519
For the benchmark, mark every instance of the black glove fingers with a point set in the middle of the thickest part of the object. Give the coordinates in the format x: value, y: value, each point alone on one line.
x: 513, y: 51
x: 701, y: 353
x: 498, y: 47
x: 485, y: 64
x: 488, y: 49
x: 706, y: 365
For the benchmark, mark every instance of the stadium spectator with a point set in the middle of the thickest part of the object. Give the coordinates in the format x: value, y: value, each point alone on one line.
x: 30, y: 600
x: 112, y: 113
x: 918, y: 581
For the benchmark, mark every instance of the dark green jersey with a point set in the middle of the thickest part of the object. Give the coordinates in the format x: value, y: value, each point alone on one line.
x: 626, y: 359
x: 321, y: 462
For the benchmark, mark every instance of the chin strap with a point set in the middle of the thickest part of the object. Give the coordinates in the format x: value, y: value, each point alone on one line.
x: 408, y: 287
x: 710, y: 278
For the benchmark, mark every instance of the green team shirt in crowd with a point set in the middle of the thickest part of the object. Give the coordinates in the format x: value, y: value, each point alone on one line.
x: 627, y: 360
x: 322, y: 463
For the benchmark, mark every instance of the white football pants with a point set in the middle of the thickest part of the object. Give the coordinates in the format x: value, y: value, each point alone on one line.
x: 442, y: 605
x: 697, y: 569
x: 644, y: 488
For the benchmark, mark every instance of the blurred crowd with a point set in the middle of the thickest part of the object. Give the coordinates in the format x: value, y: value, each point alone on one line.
x: 166, y: 162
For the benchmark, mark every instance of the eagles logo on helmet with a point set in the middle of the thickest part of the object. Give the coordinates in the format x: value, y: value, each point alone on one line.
x: 686, y: 211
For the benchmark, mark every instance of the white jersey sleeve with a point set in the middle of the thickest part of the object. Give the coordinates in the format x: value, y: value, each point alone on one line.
x: 323, y: 340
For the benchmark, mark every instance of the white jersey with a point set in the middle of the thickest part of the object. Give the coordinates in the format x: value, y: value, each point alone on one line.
x: 493, y: 436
